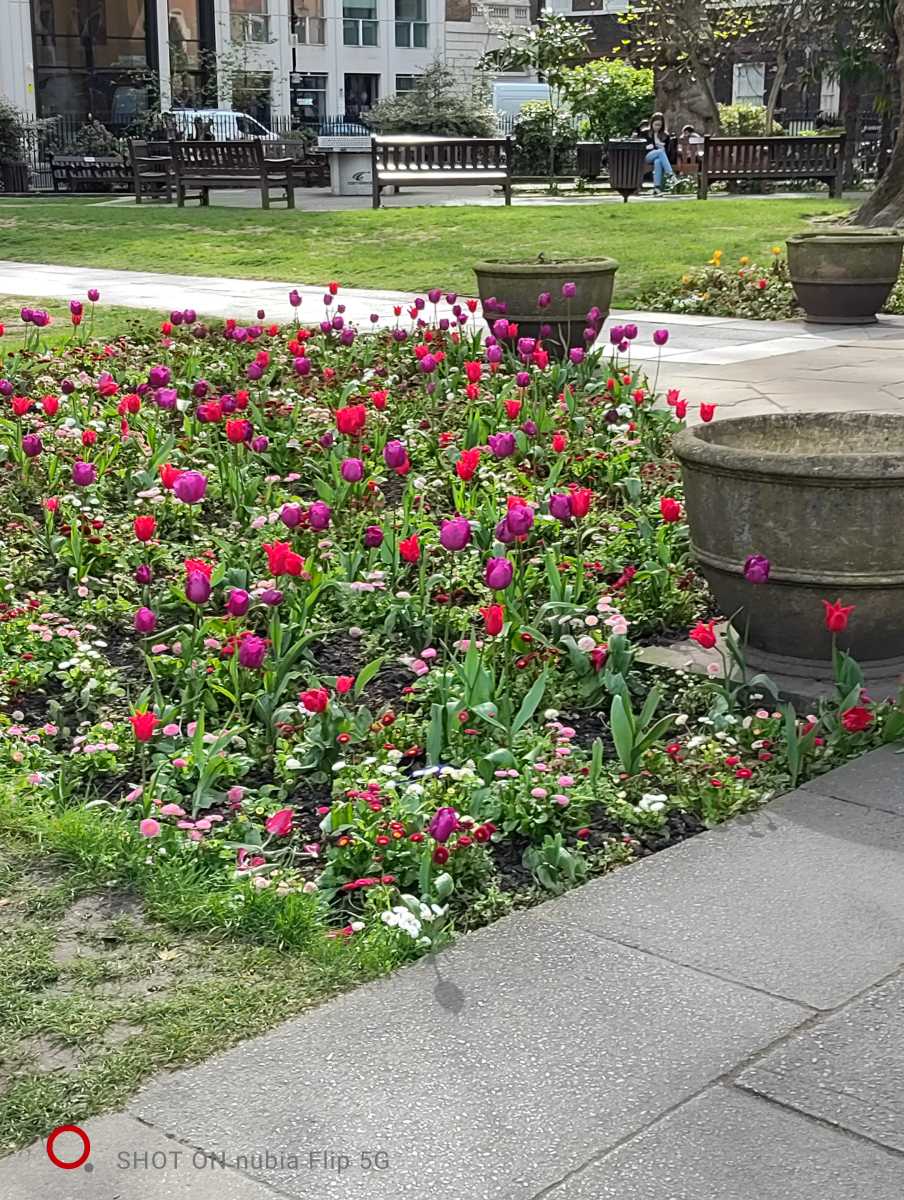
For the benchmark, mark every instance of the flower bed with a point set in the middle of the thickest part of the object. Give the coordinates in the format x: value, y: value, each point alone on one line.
x: 341, y: 627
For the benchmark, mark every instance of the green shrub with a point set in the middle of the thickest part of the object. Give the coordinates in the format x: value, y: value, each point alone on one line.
x: 744, y: 120
x: 439, y: 104
x: 612, y: 95
x: 538, y: 126
x: 12, y: 131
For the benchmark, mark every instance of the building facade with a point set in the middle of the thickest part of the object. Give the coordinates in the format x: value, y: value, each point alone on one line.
x: 303, y: 60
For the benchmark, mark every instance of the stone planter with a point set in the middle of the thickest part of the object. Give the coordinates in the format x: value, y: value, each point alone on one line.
x: 517, y: 285
x: 844, y: 276
x: 821, y: 495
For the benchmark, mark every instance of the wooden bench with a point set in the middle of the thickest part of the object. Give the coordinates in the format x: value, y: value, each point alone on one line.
x: 211, y: 166
x: 152, y: 170
x: 88, y: 172
x: 412, y: 161
x: 727, y: 159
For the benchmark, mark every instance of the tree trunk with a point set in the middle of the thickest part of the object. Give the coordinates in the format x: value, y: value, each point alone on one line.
x: 685, y: 102
x: 781, y: 70
x: 885, y: 206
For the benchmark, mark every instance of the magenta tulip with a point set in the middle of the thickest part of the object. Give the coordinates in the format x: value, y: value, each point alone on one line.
x: 319, y: 515
x: 252, y: 652
x: 352, y: 470
x: 498, y: 574
x: 238, y: 602
x: 395, y: 455
x: 83, y: 473
x: 197, y: 587
x: 190, y: 487
x: 291, y: 515
x: 145, y: 621
x: 455, y: 534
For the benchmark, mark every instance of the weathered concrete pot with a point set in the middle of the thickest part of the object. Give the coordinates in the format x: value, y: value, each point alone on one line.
x: 844, y: 276
x: 517, y: 285
x: 821, y: 495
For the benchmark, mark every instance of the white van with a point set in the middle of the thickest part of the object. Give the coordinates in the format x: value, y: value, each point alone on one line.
x: 221, y: 124
x: 510, y: 98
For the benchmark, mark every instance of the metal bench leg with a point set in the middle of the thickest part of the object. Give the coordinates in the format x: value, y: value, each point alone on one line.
x: 290, y: 194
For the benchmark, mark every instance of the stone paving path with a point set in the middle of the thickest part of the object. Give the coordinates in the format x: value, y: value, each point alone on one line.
x: 721, y: 1021
x: 746, y: 367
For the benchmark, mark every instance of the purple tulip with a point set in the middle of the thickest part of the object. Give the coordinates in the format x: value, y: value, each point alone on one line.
x: 261, y: 314
x: 503, y: 534
x: 455, y: 534
x: 660, y: 336
x: 427, y: 364
x: 197, y: 587
x: 756, y: 568
x: 617, y: 334
x: 83, y: 473
x: 319, y: 515
x: 252, y: 652
x: 502, y: 445
x: 498, y: 574
x: 32, y: 445
x: 594, y: 315
x: 76, y: 307
x: 338, y: 322
x: 373, y: 537
x: 501, y: 329
x: 589, y: 334
x: 326, y: 440
x: 41, y: 318
x: 253, y: 372
x: 189, y: 316
x: 630, y: 332
x: 176, y: 318
x: 291, y: 515
x: 238, y: 602
x: 228, y: 404
x: 569, y: 290
x: 576, y: 355
x: 143, y: 575
x: 260, y: 443
x: 294, y: 298
x: 520, y: 519
x: 374, y: 318
x: 7, y: 389
x: 544, y: 300
x: 494, y: 354
x: 27, y: 315
x: 522, y: 379
x: 145, y: 621
x: 93, y: 295
x: 352, y: 470
x: 190, y: 487
x: 395, y: 455
x: 166, y: 398
x: 529, y: 427
x: 443, y: 824
x: 560, y: 507
x: 200, y: 389
x: 271, y: 597
x: 302, y: 366
x: 159, y: 376
x: 526, y: 347
x: 347, y: 336
x: 400, y: 335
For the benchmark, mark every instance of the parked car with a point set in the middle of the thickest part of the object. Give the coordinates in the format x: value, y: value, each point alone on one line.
x: 220, y: 124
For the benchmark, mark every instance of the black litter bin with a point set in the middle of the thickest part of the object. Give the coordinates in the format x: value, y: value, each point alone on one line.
x: 627, y: 163
x: 590, y: 159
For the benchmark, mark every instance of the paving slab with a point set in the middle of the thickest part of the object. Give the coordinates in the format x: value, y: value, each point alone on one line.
x: 876, y: 780
x: 726, y: 1146
x: 128, y: 1161
x: 762, y: 899
x: 847, y: 1069
x: 485, y: 1074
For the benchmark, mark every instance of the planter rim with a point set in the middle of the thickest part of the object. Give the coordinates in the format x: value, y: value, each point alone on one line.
x: 521, y: 266
x: 697, y: 447
x: 846, y: 235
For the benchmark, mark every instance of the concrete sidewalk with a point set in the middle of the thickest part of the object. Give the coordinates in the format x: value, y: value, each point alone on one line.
x: 718, y: 1022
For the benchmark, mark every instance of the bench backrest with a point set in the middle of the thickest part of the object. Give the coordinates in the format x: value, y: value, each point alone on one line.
x: 142, y: 149
x: 217, y: 156
x: 411, y: 153
x: 778, y: 157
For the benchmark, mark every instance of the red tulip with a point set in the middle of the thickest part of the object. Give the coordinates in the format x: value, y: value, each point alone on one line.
x: 410, y: 549
x: 837, y: 615
x: 559, y: 442
x: 512, y: 408
x: 144, y: 528
x: 51, y: 405
x: 680, y: 407
x: 467, y: 463
x: 280, y: 823
x: 315, y: 700
x: 143, y: 725
x: 344, y: 684
x: 670, y: 509
x: 493, y: 619
x: 473, y: 371
x: 351, y: 420
x: 282, y: 559
x: 857, y: 719
x: 238, y: 431
x: 704, y: 634
x: 581, y: 498
x: 168, y: 475
x: 707, y: 412
x: 201, y: 565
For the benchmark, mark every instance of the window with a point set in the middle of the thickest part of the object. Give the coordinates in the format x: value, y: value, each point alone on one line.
x: 749, y: 83
x: 829, y: 94
x: 405, y: 83
x: 251, y: 94
x: 308, y: 23
x: 359, y: 23
x: 308, y: 98
x: 249, y: 21
x: 411, y: 23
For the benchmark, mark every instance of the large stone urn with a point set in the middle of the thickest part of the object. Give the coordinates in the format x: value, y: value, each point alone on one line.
x: 512, y: 289
x: 821, y: 495
x: 843, y: 276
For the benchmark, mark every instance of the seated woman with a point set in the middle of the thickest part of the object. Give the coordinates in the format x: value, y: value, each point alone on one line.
x: 657, y: 140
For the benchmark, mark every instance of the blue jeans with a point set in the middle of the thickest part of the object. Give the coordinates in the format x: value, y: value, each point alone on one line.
x: 661, y: 166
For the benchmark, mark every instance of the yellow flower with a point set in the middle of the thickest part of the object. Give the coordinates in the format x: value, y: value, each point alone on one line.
x: 685, y: 279
x: 744, y: 260
x: 716, y: 260
x: 776, y: 250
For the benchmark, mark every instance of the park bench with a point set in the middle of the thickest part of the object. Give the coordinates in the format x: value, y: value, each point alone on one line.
x: 730, y: 159
x: 89, y: 172
x: 210, y: 166
x: 412, y: 161
x: 152, y: 170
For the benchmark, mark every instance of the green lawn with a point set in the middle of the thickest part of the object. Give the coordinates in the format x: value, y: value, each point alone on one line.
x: 408, y: 249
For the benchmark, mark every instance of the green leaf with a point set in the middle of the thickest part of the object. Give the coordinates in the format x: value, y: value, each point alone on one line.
x: 530, y: 703
x: 622, y: 734
x: 443, y: 886
x: 366, y: 674
x: 436, y: 733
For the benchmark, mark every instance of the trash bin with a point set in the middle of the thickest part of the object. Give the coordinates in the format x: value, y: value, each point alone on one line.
x: 590, y: 159
x: 627, y: 163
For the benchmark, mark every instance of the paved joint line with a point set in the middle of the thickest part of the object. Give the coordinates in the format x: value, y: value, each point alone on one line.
x: 180, y: 1141
x: 827, y: 795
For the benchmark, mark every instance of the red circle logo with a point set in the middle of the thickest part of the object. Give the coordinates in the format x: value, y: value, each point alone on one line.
x: 59, y: 1162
